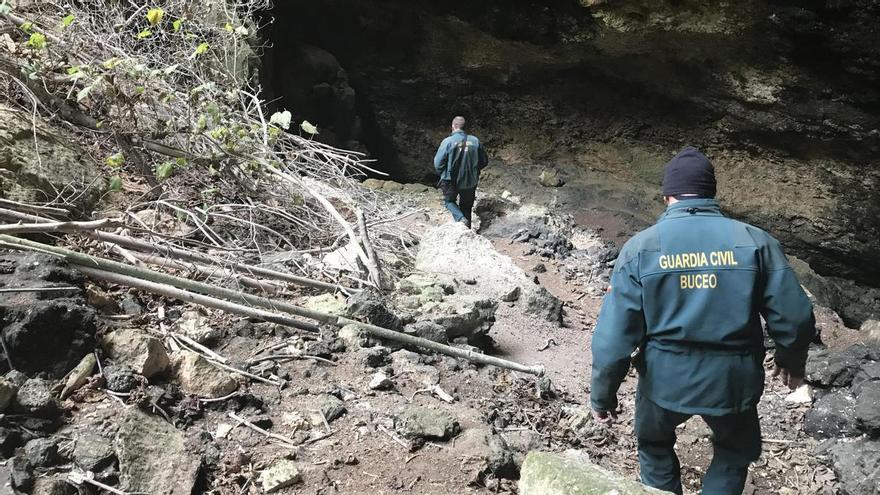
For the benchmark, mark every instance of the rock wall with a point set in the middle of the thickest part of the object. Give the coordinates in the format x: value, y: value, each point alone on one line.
x: 784, y: 99
x: 40, y: 164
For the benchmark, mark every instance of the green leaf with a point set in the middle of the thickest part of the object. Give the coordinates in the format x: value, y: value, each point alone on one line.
x: 115, y: 160
x: 68, y: 20
x: 73, y: 70
x: 164, y: 170
x: 146, y: 33
x: 27, y: 26
x: 180, y: 162
x: 116, y: 183
x: 281, y: 119
x: 140, y: 90
x: 202, y: 48
x: 228, y: 27
x: 37, y: 41
x: 154, y: 16
x: 308, y: 127
x: 111, y: 63
x: 176, y: 25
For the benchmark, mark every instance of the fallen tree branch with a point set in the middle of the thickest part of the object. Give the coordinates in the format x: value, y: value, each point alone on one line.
x: 375, y: 265
x: 334, y: 213
x: 208, y: 271
x: 38, y: 289
x: 283, y: 357
x: 169, y: 251
x: 47, y: 210
x: 172, y: 286
x: 33, y: 228
x: 281, y: 438
x: 191, y: 297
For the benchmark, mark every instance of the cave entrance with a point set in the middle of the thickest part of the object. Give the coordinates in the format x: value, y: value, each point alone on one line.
x: 310, y: 48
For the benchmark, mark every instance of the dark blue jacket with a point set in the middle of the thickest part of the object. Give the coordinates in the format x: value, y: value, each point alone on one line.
x: 690, y: 291
x: 473, y: 161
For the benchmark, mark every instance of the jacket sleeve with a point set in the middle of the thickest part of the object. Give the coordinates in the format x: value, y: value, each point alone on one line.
x: 483, y: 158
x: 441, y: 158
x: 619, y: 331
x: 786, y: 309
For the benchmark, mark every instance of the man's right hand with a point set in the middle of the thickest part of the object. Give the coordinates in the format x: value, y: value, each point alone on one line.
x: 790, y: 379
x: 604, y: 417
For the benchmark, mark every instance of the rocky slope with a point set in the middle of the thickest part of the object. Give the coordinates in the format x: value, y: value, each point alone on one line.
x: 145, y: 410
x: 784, y: 99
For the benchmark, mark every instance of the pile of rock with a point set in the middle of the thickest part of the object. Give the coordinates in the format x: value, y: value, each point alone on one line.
x: 848, y: 385
x: 454, y: 251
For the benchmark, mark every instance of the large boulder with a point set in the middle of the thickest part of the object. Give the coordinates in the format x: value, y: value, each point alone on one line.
x: 153, y: 457
x: 132, y: 348
x: 37, y: 162
x: 836, y: 368
x: 545, y: 473
x: 832, y: 415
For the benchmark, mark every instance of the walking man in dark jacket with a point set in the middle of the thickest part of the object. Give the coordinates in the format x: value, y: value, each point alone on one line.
x: 688, y: 295
x: 458, y: 161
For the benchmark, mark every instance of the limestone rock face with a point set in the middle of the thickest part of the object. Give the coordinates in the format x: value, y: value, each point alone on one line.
x: 546, y: 473
x: 144, y: 354
x: 153, y: 457
x: 35, y: 172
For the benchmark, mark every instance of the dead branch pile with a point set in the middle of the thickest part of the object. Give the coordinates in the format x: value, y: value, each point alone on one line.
x: 165, y: 93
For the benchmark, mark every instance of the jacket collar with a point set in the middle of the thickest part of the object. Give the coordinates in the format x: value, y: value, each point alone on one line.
x: 457, y: 132
x: 702, y: 206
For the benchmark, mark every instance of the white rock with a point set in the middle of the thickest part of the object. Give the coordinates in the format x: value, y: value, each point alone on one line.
x: 195, y: 326
x: 800, y: 396
x: 380, y: 381
x: 281, y: 473
x: 223, y: 430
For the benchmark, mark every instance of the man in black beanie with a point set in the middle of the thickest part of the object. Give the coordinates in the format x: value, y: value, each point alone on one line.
x: 686, y: 298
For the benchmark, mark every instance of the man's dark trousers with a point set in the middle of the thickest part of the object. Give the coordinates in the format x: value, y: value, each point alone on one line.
x: 736, y: 440
x: 460, y: 203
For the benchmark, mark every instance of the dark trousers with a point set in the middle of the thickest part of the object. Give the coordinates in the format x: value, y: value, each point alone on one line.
x: 736, y: 439
x: 460, y: 203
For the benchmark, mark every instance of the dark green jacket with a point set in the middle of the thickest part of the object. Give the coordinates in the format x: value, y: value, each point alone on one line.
x: 473, y: 161
x: 689, y: 291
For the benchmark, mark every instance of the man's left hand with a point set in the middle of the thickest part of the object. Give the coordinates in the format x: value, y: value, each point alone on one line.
x: 791, y: 380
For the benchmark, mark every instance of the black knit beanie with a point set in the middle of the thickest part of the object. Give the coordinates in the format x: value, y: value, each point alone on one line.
x: 689, y: 172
